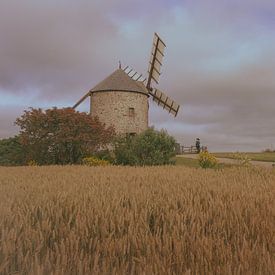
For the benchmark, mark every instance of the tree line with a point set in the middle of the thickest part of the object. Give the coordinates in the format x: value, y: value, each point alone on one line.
x: 66, y: 136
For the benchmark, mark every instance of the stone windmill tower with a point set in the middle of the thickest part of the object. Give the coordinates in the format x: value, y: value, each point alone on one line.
x: 121, y: 100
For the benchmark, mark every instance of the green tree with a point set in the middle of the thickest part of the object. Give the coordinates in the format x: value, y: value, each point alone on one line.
x: 11, y: 151
x: 148, y: 148
x: 61, y: 136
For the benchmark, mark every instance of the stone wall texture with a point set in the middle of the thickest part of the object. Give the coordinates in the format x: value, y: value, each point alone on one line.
x: 113, y: 109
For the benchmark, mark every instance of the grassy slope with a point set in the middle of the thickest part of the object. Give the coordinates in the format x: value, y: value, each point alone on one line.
x: 270, y: 157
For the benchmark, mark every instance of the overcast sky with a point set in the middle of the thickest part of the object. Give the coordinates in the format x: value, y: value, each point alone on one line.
x: 219, y: 63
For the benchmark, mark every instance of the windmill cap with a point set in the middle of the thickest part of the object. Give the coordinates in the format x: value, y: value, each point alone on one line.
x: 120, y: 81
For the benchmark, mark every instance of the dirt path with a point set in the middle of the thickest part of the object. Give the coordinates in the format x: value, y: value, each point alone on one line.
x: 233, y: 161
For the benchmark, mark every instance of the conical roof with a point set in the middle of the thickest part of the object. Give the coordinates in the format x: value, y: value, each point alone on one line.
x: 120, y: 81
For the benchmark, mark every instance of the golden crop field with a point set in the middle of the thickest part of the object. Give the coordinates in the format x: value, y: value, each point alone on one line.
x: 122, y: 220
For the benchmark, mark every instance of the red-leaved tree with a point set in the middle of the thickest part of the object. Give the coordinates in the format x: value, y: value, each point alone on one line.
x: 61, y: 136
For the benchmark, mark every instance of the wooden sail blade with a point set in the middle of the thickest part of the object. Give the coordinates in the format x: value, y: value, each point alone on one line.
x: 81, y: 99
x: 165, y: 102
x: 134, y: 74
x: 155, y: 63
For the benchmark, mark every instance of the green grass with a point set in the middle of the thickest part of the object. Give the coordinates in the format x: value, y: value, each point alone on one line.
x: 269, y: 157
x: 188, y: 162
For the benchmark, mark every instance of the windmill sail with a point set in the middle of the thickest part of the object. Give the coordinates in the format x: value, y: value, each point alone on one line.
x: 155, y: 62
x: 164, y: 101
x: 134, y: 75
x: 82, y: 99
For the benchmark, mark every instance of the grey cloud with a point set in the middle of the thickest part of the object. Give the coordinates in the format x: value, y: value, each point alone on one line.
x: 51, y: 47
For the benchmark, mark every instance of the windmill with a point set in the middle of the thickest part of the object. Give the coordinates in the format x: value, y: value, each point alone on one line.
x: 121, y: 100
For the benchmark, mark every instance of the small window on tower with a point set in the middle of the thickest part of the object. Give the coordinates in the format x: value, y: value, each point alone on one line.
x: 131, y: 111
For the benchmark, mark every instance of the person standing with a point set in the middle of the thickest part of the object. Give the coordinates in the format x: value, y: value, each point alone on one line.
x: 198, y: 145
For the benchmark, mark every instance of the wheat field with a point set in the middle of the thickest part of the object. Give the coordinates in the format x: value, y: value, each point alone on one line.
x: 122, y: 220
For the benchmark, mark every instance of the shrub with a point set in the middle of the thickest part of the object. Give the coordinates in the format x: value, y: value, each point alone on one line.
x: 268, y: 150
x: 207, y: 160
x: 32, y: 163
x: 242, y: 159
x: 94, y: 161
x: 106, y: 154
x: 11, y: 152
x: 148, y: 148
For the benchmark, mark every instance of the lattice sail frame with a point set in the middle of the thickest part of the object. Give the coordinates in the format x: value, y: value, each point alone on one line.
x: 134, y: 75
x: 154, y: 71
x: 165, y: 101
x: 155, y: 63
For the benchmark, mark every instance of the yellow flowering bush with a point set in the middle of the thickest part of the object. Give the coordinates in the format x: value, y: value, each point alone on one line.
x: 32, y: 163
x: 94, y: 161
x: 242, y: 159
x: 207, y: 160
